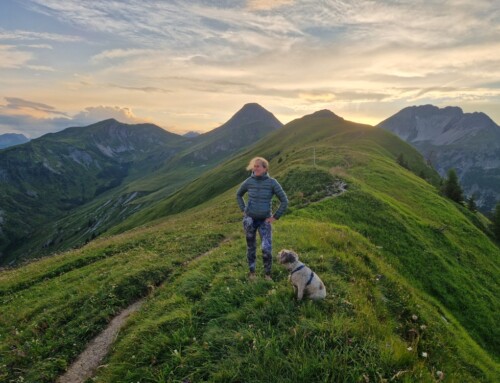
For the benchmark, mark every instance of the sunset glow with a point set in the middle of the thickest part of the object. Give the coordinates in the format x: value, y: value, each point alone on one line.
x: 190, y: 65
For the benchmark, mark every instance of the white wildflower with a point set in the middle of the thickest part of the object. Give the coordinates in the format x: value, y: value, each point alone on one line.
x: 424, y: 355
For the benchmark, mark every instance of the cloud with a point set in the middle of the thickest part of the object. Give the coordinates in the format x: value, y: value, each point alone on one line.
x: 14, y: 58
x: 94, y: 114
x: 266, y: 5
x: 16, y: 104
x: 11, y: 58
x: 302, y: 54
x: 35, y: 119
x: 19, y: 35
x: 146, y: 89
x: 30, y: 126
x: 120, y: 54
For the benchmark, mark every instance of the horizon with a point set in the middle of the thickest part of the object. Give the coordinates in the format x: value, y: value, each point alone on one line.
x: 209, y: 130
x: 189, y: 67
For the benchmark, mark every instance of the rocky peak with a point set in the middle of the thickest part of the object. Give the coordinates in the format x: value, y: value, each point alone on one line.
x: 439, y: 126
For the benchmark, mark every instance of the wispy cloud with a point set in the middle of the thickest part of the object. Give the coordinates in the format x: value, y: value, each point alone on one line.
x: 266, y: 5
x: 20, y: 35
x: 10, y: 57
x: 146, y: 89
x: 292, y: 55
x: 15, y: 104
x: 120, y: 54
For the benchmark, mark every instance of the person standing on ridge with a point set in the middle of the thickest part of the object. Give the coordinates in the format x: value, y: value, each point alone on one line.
x: 258, y: 212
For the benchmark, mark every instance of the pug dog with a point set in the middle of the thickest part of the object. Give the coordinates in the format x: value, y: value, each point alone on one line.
x: 304, y: 280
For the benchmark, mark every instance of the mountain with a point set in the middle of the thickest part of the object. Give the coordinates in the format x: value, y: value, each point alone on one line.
x: 78, y: 183
x: 412, y: 278
x: 206, y: 151
x: 191, y: 134
x: 249, y: 124
x: 11, y: 139
x: 450, y: 138
x: 48, y: 177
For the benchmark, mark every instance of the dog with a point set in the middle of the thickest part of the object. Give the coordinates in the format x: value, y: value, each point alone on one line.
x: 303, y: 279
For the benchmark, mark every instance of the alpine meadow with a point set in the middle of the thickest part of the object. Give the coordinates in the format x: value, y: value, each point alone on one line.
x: 412, y: 277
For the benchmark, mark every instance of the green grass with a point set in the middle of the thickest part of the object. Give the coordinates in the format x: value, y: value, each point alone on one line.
x: 211, y: 324
x: 407, y: 272
x: 52, y: 308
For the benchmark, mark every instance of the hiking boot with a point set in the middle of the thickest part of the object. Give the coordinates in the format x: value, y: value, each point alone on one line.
x: 252, y: 276
x: 268, y: 278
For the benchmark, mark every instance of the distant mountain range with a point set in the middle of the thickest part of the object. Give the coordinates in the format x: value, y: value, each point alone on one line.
x: 11, y: 139
x: 450, y: 138
x: 63, y: 189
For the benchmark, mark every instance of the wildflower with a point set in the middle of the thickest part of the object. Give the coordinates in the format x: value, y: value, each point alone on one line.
x: 410, y: 348
x: 424, y: 355
x: 414, y: 317
x: 423, y: 327
x: 440, y: 375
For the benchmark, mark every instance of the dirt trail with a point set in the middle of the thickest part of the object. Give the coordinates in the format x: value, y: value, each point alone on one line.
x: 85, y: 366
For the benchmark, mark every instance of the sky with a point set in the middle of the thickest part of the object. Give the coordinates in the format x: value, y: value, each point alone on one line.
x: 190, y: 65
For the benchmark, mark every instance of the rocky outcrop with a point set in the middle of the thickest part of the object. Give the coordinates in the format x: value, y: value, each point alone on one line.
x: 450, y: 138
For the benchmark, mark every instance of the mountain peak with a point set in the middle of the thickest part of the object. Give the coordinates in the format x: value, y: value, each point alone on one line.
x: 439, y: 126
x: 250, y: 114
x: 324, y: 113
x: 11, y: 139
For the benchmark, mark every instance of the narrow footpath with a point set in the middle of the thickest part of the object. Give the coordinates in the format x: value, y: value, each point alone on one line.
x: 87, y: 363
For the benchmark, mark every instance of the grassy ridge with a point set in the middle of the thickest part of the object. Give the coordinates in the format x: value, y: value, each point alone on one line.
x: 52, y: 308
x: 432, y: 241
x: 211, y: 324
x: 398, y: 262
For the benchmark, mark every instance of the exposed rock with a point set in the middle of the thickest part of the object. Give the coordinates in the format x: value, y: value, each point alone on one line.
x: 450, y: 138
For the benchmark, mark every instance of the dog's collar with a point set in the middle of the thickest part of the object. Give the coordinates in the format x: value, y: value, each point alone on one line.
x: 298, y: 268
x: 310, y: 279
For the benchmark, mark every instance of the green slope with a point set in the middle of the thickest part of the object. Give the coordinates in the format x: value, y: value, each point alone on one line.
x: 48, y: 178
x: 65, y: 189
x: 407, y: 273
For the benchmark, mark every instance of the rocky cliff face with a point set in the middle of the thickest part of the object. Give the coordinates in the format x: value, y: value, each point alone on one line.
x: 450, y: 138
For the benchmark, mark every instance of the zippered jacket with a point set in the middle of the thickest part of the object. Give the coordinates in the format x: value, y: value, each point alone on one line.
x: 260, y: 193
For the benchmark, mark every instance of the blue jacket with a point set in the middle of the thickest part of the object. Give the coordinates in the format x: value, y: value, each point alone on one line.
x: 260, y: 193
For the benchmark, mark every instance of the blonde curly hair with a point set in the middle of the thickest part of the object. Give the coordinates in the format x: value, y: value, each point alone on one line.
x: 261, y: 160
